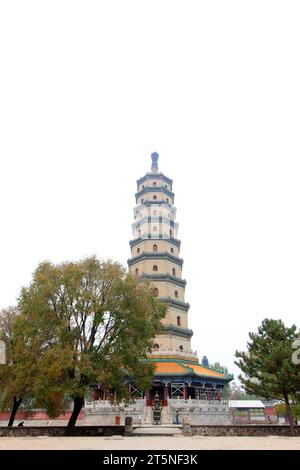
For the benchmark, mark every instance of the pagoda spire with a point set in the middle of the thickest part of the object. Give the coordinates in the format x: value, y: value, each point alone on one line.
x: 154, y: 158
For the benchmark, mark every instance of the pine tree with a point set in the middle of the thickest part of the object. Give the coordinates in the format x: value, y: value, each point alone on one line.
x: 267, y: 366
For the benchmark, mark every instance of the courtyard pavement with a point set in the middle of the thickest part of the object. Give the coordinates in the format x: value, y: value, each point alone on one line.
x: 178, y: 442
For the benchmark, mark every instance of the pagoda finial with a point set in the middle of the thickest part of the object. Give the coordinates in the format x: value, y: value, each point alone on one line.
x: 154, y: 166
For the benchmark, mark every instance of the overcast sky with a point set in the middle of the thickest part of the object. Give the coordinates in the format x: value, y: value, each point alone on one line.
x: 88, y: 89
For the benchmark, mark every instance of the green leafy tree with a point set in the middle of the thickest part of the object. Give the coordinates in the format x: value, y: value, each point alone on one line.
x: 102, y: 319
x: 29, y: 362
x: 295, y: 409
x: 268, y: 369
x: 11, y: 393
x: 217, y: 366
x: 224, y: 370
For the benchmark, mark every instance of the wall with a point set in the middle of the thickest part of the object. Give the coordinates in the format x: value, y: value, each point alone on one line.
x: 172, y: 342
x: 38, y: 415
x: 162, y: 245
x: 164, y: 267
x: 62, y: 431
x: 234, y: 430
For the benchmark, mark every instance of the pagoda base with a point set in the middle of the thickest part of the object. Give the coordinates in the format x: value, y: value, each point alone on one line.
x: 176, y: 411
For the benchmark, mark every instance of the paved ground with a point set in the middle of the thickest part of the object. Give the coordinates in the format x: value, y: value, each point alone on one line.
x: 150, y: 442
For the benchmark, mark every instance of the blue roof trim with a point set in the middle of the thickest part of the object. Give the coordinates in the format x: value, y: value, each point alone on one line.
x: 155, y: 256
x: 152, y: 176
x: 176, y: 303
x: 155, y: 189
x: 164, y: 278
x: 184, y: 332
x: 174, y: 241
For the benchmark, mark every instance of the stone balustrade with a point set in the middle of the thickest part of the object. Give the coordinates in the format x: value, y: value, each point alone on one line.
x: 176, y: 352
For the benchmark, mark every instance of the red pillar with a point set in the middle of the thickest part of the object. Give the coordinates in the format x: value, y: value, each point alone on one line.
x: 185, y: 392
x: 165, y: 395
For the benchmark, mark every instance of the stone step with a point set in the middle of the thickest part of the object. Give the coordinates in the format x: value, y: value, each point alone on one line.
x: 160, y: 426
x: 157, y: 431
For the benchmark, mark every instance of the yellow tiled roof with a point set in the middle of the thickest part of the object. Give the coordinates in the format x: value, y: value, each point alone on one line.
x: 204, y: 370
x: 178, y: 366
x: 169, y: 368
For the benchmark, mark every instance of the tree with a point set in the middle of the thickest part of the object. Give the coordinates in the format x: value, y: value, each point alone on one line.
x: 10, y: 391
x: 224, y: 370
x: 281, y: 410
x: 103, y: 319
x: 267, y: 366
x: 217, y: 366
x: 30, y: 359
x: 237, y: 392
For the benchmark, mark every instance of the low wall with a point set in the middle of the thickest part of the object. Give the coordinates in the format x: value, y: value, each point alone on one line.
x: 37, y: 415
x: 240, y: 430
x: 34, y: 431
x: 108, y: 418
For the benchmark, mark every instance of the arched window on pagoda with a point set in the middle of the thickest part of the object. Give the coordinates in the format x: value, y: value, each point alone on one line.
x: 155, y: 248
x: 136, y: 271
x: 155, y: 268
x: 176, y: 294
x: 172, y: 250
x: 156, y: 347
x: 138, y: 250
x: 181, y: 348
x: 154, y: 184
x: 174, y: 271
x: 155, y: 292
x: 178, y: 321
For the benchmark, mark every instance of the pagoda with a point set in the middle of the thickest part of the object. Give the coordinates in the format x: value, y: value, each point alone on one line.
x: 155, y: 257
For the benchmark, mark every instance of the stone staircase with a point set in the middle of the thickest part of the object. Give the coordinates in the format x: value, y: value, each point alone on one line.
x: 158, y: 430
x: 166, y: 415
x: 147, y: 415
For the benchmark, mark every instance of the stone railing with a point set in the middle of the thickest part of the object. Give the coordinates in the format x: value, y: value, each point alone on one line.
x: 98, y: 405
x: 195, y: 406
x: 174, y: 352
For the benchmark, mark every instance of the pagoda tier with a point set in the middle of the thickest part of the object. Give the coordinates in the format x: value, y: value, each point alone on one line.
x: 155, y: 257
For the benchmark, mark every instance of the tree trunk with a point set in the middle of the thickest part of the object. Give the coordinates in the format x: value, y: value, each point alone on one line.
x: 289, y: 413
x: 78, y: 404
x: 15, y: 407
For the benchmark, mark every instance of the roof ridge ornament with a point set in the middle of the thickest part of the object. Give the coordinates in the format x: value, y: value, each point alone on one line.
x: 154, y: 158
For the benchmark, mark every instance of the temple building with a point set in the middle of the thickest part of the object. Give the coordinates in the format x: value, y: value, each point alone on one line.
x: 155, y: 257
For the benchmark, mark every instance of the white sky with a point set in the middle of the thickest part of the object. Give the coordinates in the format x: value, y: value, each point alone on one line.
x: 88, y: 89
